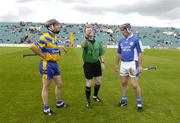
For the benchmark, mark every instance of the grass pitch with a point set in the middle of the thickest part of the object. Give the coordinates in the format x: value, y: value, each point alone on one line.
x: 20, y: 90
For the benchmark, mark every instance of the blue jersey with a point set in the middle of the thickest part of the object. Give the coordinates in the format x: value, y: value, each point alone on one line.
x: 129, y: 48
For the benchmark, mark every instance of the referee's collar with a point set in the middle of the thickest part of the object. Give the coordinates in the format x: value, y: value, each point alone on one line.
x: 92, y: 41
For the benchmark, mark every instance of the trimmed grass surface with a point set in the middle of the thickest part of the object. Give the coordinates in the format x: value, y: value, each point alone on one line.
x: 20, y: 90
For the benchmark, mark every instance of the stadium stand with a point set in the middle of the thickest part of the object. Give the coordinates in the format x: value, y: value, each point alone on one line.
x: 27, y: 32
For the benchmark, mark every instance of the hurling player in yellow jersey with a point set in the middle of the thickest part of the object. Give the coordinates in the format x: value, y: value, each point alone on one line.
x: 47, y: 49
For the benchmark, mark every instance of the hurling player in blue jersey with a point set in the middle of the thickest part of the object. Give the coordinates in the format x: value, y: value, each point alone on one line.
x: 130, y: 53
x: 47, y: 49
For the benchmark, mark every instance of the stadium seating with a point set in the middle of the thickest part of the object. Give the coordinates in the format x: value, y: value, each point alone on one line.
x: 155, y: 37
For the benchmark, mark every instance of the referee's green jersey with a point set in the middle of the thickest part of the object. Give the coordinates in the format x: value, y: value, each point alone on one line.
x: 92, y: 52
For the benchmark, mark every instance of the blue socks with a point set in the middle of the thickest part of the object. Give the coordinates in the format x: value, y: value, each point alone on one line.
x: 124, y: 99
x: 46, y: 108
x: 139, y: 101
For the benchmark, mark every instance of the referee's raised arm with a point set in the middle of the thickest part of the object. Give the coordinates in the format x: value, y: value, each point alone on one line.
x: 84, y: 42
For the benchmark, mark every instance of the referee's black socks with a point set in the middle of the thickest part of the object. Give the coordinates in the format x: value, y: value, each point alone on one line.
x: 96, y: 89
x: 88, y: 92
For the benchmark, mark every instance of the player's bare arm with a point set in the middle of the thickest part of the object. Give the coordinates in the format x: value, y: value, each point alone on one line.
x: 37, y: 51
x: 102, y: 62
x: 140, y: 59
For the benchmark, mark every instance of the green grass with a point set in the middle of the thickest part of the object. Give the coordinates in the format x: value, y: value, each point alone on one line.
x: 20, y: 90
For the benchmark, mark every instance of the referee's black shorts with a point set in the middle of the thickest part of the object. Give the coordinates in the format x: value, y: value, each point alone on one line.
x: 92, y: 70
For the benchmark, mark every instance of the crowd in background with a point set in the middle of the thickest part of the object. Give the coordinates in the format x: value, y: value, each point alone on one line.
x: 27, y: 32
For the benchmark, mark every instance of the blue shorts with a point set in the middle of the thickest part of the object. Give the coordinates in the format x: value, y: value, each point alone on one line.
x: 49, y: 69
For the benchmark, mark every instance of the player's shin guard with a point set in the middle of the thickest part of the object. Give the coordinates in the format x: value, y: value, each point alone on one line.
x: 124, y: 100
x: 88, y: 92
x: 139, y: 101
x: 96, y: 89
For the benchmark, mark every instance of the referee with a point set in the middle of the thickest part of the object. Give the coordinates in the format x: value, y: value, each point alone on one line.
x: 93, y: 63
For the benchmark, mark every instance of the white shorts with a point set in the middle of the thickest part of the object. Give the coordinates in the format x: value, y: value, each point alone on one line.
x: 129, y: 69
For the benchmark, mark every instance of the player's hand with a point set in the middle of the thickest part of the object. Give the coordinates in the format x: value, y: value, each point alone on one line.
x: 86, y: 36
x: 87, y: 32
x: 102, y: 66
x: 46, y: 57
x: 140, y: 69
x: 43, y: 56
x: 65, y: 50
x: 116, y: 68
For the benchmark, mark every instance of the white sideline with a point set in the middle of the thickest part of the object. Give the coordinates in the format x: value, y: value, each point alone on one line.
x: 78, y: 46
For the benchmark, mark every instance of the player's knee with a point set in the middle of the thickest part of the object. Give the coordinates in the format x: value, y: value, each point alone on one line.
x: 135, y: 86
x: 124, y: 84
x: 45, y: 88
x: 59, y: 85
x: 88, y: 83
x: 98, y: 82
x: 46, y: 85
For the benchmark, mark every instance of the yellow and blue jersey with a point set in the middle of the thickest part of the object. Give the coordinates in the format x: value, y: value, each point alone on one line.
x: 48, y: 46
